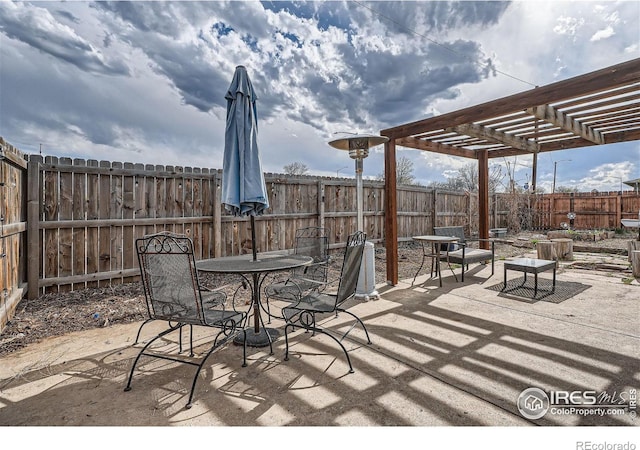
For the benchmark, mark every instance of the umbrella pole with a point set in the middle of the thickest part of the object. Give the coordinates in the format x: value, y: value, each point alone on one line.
x: 256, y: 287
x: 253, y: 238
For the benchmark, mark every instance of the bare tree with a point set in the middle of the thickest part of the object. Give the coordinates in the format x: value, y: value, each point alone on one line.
x: 467, y: 179
x: 295, y: 168
x: 404, y: 172
x: 566, y: 189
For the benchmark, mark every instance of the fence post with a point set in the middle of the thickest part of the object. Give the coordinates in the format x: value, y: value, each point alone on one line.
x: 434, y: 213
x: 321, y: 203
x: 618, y: 211
x: 33, y: 226
x: 495, y: 211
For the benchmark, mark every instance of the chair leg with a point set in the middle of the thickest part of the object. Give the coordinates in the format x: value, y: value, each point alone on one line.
x: 341, y: 345
x: 420, y: 268
x: 190, y: 339
x: 286, y: 341
x: 179, y: 336
x: 164, y: 333
x: 215, y: 345
x: 244, y: 348
x: 268, y: 309
x: 140, y: 329
x: 359, y: 321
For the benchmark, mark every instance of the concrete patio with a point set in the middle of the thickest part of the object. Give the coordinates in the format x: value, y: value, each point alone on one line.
x: 457, y: 355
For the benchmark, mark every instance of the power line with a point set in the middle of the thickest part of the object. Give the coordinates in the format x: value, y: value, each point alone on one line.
x: 462, y: 55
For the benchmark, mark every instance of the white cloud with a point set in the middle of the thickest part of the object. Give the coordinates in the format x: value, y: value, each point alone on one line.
x: 607, y: 176
x: 568, y: 25
x: 145, y: 81
x: 633, y: 49
x: 602, y: 34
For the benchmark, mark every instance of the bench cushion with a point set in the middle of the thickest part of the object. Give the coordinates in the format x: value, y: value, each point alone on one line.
x: 471, y: 256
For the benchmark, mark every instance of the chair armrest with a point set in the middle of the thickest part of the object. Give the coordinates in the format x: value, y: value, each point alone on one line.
x: 212, y: 298
x: 493, y: 243
x: 215, y: 289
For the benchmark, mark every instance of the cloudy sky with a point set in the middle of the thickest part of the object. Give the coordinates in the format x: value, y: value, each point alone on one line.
x: 145, y: 81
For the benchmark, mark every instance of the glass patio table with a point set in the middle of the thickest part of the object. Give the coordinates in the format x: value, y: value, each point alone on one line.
x: 434, y: 253
x: 255, y: 272
x: 530, y: 265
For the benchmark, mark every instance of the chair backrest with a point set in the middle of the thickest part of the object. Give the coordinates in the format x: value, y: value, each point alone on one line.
x: 313, y: 242
x: 450, y: 231
x: 351, y: 266
x: 169, y: 277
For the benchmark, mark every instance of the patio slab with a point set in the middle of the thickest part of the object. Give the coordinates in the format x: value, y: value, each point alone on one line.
x: 457, y: 355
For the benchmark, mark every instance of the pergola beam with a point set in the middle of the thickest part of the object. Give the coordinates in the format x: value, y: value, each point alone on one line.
x: 622, y: 136
x: 490, y: 134
x: 559, y: 119
x: 608, y: 78
x: 435, y: 147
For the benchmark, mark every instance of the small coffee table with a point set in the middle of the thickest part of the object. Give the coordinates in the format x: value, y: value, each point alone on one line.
x: 530, y: 265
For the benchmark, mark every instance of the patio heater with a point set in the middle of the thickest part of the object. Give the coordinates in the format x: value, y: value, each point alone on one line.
x: 358, y: 146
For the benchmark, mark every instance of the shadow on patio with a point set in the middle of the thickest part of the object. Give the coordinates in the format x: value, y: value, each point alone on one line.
x: 456, y: 355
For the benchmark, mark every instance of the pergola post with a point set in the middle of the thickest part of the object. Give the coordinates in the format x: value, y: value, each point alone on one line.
x: 483, y: 197
x: 391, y: 211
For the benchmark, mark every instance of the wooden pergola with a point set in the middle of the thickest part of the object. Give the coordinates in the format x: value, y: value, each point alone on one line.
x: 601, y: 107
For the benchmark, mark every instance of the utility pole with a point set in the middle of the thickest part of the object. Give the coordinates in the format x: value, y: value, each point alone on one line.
x: 555, y: 167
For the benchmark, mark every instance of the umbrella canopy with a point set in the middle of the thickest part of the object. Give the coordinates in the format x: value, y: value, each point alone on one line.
x: 243, y: 188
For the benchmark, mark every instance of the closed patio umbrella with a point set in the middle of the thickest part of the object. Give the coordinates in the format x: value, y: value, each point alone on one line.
x: 243, y: 188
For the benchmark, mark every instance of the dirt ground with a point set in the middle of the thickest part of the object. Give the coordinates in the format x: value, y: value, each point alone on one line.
x: 56, y: 314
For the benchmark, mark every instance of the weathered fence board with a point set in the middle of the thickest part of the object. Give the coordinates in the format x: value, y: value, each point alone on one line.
x: 13, y: 229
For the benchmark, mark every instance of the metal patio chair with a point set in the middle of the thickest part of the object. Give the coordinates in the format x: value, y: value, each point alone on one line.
x: 173, y: 294
x: 462, y: 253
x: 306, y: 311
x: 309, y: 241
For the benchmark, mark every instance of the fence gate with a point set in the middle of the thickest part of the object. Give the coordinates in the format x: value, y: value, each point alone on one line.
x: 13, y: 226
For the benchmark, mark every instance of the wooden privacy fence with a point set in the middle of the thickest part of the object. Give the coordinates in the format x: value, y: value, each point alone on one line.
x: 86, y: 216
x: 83, y: 216
x: 593, y: 210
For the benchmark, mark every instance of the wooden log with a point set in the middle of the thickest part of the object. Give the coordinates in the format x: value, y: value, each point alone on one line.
x: 564, y: 249
x: 557, y: 234
x: 593, y: 249
x: 546, y: 250
x: 631, y: 246
x: 635, y: 263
